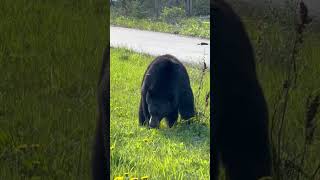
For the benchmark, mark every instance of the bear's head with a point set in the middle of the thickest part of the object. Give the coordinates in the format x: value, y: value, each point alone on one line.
x: 160, y: 104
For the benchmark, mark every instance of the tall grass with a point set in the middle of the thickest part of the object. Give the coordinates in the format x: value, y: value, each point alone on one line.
x: 287, y: 53
x: 50, y: 53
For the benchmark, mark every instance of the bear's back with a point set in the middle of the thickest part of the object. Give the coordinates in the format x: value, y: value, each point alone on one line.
x: 163, y: 69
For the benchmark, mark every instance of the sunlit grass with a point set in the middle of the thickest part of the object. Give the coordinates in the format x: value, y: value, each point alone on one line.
x: 180, y: 152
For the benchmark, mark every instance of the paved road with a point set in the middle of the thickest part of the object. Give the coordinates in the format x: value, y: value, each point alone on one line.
x: 155, y: 43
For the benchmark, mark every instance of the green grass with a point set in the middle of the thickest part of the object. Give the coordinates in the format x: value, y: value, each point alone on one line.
x: 50, y: 53
x: 180, y: 152
x: 187, y: 27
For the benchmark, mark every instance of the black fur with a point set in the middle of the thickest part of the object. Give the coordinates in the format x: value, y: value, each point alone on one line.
x: 240, y: 116
x: 100, y: 165
x: 165, y: 91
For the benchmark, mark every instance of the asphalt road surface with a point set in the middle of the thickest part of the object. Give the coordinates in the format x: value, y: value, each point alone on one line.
x: 186, y: 49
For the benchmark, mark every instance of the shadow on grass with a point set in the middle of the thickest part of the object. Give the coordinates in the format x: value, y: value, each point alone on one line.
x: 194, y: 135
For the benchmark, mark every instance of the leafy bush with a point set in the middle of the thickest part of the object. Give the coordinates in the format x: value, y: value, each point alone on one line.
x: 172, y: 15
x: 201, y: 7
x: 137, y: 10
x: 133, y: 8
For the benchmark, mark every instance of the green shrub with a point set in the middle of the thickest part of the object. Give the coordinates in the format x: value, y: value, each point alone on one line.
x: 201, y: 7
x: 172, y: 15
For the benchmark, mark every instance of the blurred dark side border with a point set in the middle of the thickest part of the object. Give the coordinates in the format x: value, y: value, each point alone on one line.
x: 101, y: 148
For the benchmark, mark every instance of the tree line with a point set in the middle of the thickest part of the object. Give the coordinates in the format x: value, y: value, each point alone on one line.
x: 154, y: 8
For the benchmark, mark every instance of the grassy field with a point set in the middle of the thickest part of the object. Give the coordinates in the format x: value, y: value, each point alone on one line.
x: 187, y: 27
x: 50, y: 53
x: 273, y: 40
x: 180, y: 152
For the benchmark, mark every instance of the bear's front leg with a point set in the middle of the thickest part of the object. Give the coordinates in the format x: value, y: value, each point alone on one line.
x: 172, y: 118
x: 186, y: 104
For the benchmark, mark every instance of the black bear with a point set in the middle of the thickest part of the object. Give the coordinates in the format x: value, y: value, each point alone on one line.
x: 100, y: 165
x: 165, y: 91
x: 240, y: 137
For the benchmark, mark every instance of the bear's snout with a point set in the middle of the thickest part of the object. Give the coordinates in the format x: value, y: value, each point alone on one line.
x: 154, y: 122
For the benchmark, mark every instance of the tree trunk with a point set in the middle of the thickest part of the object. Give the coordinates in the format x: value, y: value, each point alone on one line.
x: 157, y: 7
x: 188, y: 6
